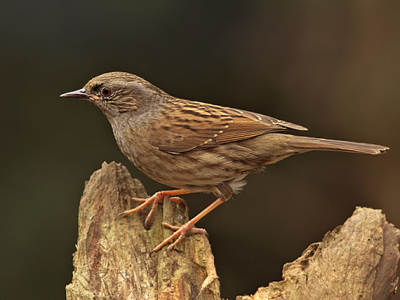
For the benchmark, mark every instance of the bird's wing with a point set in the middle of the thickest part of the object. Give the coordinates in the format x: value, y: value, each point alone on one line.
x: 193, y: 125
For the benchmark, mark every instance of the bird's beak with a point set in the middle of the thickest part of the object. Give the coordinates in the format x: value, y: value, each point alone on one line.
x: 76, y: 94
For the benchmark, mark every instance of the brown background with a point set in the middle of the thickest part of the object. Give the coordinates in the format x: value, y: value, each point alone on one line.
x: 333, y: 67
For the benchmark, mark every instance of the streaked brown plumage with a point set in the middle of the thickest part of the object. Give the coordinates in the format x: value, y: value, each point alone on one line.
x: 194, y: 146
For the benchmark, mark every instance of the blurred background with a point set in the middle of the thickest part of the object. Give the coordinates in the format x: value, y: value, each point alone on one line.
x: 333, y: 67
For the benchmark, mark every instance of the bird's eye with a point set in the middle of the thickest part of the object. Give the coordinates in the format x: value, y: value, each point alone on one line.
x: 106, y: 92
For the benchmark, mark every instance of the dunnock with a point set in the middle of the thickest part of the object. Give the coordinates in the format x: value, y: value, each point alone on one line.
x: 194, y: 146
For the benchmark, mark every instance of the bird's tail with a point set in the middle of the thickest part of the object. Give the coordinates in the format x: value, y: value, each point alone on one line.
x: 319, y: 144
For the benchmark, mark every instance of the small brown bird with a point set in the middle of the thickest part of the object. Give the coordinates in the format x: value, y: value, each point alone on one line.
x: 194, y: 146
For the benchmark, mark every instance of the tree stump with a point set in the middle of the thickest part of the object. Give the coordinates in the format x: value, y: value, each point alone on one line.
x: 357, y: 260
x: 113, y: 260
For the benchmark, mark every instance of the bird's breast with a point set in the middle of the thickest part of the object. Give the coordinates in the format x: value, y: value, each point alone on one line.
x: 200, y: 170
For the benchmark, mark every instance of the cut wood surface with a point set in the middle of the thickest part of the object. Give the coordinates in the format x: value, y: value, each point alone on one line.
x: 113, y: 260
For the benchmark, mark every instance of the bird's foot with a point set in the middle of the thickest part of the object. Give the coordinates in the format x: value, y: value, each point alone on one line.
x: 155, y: 199
x: 179, y: 234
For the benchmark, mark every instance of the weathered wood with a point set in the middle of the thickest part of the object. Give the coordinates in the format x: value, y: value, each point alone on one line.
x: 113, y: 260
x: 357, y: 260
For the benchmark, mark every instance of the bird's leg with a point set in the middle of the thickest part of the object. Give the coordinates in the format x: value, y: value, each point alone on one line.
x: 188, y: 226
x: 155, y: 199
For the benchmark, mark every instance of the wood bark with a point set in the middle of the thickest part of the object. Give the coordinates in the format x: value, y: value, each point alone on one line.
x: 113, y: 260
x: 357, y: 260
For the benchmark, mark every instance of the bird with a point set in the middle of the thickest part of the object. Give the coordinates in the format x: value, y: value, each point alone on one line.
x: 195, y: 146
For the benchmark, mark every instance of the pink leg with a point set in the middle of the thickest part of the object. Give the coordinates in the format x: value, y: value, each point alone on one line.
x: 155, y: 199
x: 187, y: 227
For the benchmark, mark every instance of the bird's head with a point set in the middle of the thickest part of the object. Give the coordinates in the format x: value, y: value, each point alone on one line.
x: 116, y: 93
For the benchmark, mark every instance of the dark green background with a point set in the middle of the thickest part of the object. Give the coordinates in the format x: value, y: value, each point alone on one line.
x: 332, y: 66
